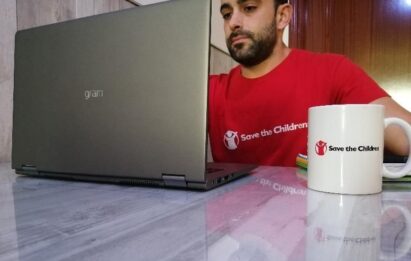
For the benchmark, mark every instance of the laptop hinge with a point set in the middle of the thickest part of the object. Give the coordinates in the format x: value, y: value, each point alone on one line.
x: 171, y: 180
x: 29, y: 169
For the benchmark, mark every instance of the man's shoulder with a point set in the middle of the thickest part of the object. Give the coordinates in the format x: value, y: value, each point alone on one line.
x: 319, y: 61
x: 310, y: 55
x: 223, y: 77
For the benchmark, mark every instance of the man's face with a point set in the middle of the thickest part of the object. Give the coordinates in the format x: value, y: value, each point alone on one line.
x: 250, y: 29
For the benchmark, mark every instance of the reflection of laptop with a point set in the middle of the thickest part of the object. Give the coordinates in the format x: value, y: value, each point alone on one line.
x: 119, y: 97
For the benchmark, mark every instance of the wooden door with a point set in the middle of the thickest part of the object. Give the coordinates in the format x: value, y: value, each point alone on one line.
x: 375, y: 34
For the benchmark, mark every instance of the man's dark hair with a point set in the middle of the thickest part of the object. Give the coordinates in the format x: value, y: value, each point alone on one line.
x: 277, y: 3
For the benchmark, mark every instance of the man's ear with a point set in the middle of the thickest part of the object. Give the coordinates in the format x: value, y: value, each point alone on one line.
x: 283, y: 16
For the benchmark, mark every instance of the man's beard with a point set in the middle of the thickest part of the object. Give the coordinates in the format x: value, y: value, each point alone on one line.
x: 258, y: 50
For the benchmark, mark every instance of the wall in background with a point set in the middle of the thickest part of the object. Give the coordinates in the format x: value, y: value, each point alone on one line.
x: 375, y: 34
x: 8, y: 27
x: 22, y: 14
x: 31, y: 13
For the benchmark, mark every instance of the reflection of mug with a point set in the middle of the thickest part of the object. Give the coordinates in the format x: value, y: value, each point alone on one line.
x: 395, y: 231
x: 345, y: 148
x: 347, y: 227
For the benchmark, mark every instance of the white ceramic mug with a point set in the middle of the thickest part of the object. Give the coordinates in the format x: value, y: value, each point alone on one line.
x: 346, y: 148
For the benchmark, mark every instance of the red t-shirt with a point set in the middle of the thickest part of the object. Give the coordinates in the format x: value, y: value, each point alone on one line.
x: 264, y: 120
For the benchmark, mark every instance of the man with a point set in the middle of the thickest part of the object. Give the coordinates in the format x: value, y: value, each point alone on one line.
x: 258, y: 112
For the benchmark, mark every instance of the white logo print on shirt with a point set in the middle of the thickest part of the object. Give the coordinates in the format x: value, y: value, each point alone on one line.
x: 231, y: 140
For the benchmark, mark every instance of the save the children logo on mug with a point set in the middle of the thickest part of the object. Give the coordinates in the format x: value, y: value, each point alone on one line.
x: 320, y: 148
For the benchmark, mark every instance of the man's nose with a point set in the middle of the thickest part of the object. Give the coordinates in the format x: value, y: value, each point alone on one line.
x: 236, y: 21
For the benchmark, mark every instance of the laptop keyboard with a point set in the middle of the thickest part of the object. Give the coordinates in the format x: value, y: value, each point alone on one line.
x: 212, y: 170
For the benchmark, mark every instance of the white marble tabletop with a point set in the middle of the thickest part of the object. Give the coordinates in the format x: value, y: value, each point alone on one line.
x: 268, y: 215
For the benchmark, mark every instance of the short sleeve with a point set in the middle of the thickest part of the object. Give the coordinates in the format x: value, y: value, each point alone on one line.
x: 353, y: 86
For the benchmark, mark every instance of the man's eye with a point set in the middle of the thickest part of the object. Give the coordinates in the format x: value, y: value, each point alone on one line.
x: 226, y: 16
x: 249, y: 8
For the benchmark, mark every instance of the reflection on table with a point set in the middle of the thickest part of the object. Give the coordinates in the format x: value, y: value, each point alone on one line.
x: 268, y: 215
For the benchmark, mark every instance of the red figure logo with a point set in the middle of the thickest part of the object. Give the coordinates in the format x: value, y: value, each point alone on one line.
x: 321, y: 148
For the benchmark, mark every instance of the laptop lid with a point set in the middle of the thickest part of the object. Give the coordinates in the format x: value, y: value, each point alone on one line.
x: 118, y: 95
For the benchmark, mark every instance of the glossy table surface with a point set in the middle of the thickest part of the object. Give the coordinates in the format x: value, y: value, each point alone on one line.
x: 268, y: 215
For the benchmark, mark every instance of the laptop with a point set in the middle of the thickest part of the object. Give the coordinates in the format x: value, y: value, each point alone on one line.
x: 118, y: 97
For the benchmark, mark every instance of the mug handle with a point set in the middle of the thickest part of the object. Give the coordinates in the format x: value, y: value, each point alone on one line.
x: 407, y: 168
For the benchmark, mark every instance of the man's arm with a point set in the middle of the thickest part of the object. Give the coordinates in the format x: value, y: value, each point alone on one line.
x: 395, y: 139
